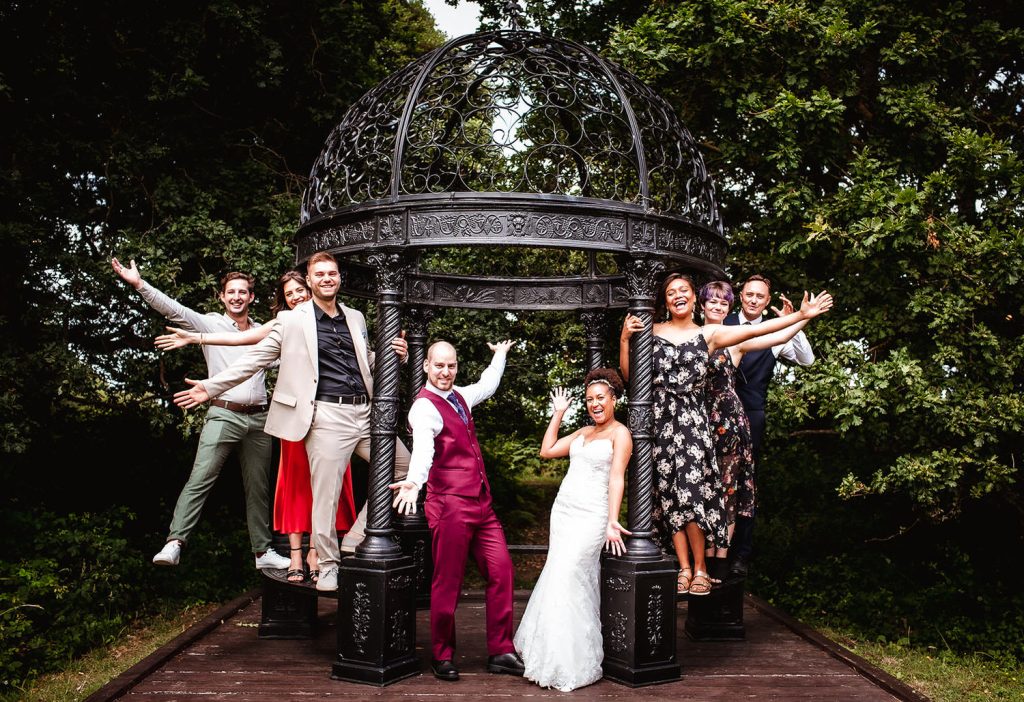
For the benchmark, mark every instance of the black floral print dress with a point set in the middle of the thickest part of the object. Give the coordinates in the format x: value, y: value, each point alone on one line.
x: 689, y: 485
x: 730, y: 430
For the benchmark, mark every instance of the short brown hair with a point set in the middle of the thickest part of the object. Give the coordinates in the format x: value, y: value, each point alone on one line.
x: 236, y: 275
x: 757, y: 278
x: 321, y: 256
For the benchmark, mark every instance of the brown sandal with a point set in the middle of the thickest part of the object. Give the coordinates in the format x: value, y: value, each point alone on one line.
x: 700, y: 585
x: 683, y: 581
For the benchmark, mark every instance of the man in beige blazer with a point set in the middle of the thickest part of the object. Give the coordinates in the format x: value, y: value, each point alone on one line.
x: 322, y: 396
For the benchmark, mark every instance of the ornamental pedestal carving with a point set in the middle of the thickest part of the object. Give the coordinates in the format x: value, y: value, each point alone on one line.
x: 638, y: 621
x: 376, y: 621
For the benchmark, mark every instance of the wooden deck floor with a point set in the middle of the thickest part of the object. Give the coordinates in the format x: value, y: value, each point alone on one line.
x: 222, y: 659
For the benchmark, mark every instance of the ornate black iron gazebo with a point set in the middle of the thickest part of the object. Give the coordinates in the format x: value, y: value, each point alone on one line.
x: 519, y: 140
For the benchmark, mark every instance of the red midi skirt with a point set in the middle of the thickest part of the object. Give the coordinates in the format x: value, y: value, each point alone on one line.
x: 293, y: 498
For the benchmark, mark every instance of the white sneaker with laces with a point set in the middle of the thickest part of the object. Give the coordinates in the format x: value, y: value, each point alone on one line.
x: 328, y: 581
x: 169, y: 555
x: 272, y: 559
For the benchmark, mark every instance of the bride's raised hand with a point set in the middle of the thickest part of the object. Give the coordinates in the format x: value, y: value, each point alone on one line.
x: 560, y: 400
x: 613, y: 538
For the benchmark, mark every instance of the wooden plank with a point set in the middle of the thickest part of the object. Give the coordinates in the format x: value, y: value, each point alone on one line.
x: 229, y: 662
x: 894, y: 685
x: 120, y: 685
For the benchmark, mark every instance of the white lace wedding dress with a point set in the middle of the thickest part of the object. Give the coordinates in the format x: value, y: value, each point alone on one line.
x: 559, y: 636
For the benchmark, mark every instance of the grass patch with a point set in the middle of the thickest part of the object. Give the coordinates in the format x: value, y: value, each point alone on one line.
x: 92, y: 671
x: 941, y: 675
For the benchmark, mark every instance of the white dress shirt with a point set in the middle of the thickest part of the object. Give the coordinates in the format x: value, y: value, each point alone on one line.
x: 797, y: 350
x: 250, y: 392
x: 426, y: 422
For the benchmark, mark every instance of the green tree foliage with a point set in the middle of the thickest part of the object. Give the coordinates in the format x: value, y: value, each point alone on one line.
x: 874, y: 150
x: 179, y: 135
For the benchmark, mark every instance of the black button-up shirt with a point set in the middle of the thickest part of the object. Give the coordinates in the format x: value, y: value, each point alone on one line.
x: 339, y: 370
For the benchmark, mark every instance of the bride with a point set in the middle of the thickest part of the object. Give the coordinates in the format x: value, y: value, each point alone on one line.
x: 559, y: 636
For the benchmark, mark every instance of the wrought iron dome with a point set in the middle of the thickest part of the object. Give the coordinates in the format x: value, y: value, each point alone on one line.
x: 516, y: 139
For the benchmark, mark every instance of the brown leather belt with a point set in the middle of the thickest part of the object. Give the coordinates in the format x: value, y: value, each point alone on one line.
x: 239, y: 407
x: 344, y: 399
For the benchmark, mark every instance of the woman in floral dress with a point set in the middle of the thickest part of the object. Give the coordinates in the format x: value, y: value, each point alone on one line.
x: 689, y: 509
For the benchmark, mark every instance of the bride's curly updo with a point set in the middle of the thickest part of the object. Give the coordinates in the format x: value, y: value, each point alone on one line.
x: 608, y: 376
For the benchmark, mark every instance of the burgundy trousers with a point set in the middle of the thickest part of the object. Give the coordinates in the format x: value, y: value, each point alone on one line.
x: 460, y: 527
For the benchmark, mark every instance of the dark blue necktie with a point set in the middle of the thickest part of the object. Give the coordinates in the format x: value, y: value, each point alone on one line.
x: 453, y: 398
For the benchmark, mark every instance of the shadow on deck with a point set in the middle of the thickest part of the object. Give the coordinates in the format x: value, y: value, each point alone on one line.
x: 222, y: 658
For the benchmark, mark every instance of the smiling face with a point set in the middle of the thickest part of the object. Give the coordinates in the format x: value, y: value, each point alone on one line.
x: 715, y: 309
x: 323, y: 279
x: 600, y: 403
x: 441, y: 366
x: 295, y: 292
x: 754, y: 297
x: 236, y: 298
x: 679, y: 297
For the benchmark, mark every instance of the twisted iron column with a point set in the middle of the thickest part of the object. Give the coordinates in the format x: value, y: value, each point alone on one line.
x: 379, y: 542
x: 416, y: 335
x: 593, y: 328
x: 376, y: 616
x: 642, y: 275
x: 412, y: 529
x: 638, y: 597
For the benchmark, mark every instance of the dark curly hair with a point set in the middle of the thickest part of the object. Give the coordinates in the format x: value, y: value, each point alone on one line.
x: 609, y: 376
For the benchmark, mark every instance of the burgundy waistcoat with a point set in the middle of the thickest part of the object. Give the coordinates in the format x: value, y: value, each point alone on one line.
x: 458, y: 467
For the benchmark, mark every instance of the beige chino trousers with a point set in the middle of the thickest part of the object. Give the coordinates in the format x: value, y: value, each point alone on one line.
x: 337, y: 432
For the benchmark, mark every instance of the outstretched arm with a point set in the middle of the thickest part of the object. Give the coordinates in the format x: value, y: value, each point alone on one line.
x: 130, y: 274
x: 168, y: 306
x: 193, y: 397
x: 181, y: 337
x: 489, y: 380
x: 425, y: 423
x: 775, y: 338
x: 551, y: 446
x: 622, y: 449
x: 719, y: 336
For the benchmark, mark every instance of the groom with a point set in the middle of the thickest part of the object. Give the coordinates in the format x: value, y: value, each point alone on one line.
x: 446, y: 456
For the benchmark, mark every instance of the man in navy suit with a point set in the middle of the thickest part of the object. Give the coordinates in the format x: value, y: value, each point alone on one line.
x: 755, y: 372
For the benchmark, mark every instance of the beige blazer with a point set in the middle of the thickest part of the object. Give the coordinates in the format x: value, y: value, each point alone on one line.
x: 292, y: 339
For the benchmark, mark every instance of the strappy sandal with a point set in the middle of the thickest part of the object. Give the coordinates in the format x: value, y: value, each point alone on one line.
x: 683, y: 581
x: 297, y: 575
x: 314, y: 571
x: 700, y: 585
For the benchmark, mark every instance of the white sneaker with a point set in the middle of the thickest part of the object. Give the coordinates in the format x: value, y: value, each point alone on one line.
x: 169, y: 555
x: 272, y: 559
x: 328, y: 581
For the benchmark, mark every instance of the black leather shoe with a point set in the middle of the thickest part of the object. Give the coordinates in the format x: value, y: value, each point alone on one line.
x: 444, y: 670
x: 509, y: 663
x: 739, y: 567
